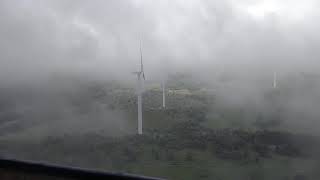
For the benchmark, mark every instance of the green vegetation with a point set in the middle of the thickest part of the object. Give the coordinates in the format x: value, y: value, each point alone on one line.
x: 185, y: 151
x: 198, y: 136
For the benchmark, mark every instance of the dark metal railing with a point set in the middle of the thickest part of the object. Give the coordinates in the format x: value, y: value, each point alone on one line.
x: 11, y: 169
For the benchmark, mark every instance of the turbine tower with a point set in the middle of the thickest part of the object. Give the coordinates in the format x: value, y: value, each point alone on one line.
x: 139, y: 91
x: 275, y: 80
x: 163, y: 94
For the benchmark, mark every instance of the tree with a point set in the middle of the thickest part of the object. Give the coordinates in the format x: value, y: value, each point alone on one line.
x: 189, y: 156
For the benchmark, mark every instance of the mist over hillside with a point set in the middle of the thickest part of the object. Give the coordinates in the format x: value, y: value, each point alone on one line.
x: 72, y: 105
x: 242, y: 86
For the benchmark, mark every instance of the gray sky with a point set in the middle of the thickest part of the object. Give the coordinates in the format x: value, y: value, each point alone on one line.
x: 99, y: 37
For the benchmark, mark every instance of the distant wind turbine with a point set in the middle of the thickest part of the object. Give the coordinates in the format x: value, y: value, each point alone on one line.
x: 275, y: 80
x: 139, y: 73
x: 163, y: 94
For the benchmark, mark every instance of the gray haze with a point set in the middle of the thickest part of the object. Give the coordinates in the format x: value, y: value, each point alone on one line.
x: 44, y: 40
x: 100, y: 38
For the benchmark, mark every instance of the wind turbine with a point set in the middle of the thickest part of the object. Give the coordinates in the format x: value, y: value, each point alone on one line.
x: 275, y: 80
x: 139, y: 91
x: 163, y: 94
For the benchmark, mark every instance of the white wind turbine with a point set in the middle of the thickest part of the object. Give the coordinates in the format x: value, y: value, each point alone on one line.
x: 275, y: 80
x: 140, y: 91
x: 163, y: 94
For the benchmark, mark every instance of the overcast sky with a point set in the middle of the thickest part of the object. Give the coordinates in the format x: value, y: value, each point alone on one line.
x: 40, y: 38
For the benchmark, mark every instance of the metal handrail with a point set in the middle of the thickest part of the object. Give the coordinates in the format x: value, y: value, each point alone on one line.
x: 40, y: 168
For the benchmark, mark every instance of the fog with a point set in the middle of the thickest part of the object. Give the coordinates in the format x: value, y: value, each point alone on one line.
x: 99, y: 40
x: 68, y: 95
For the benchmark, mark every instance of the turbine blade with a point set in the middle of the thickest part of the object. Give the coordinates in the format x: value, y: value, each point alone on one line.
x: 141, y: 64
